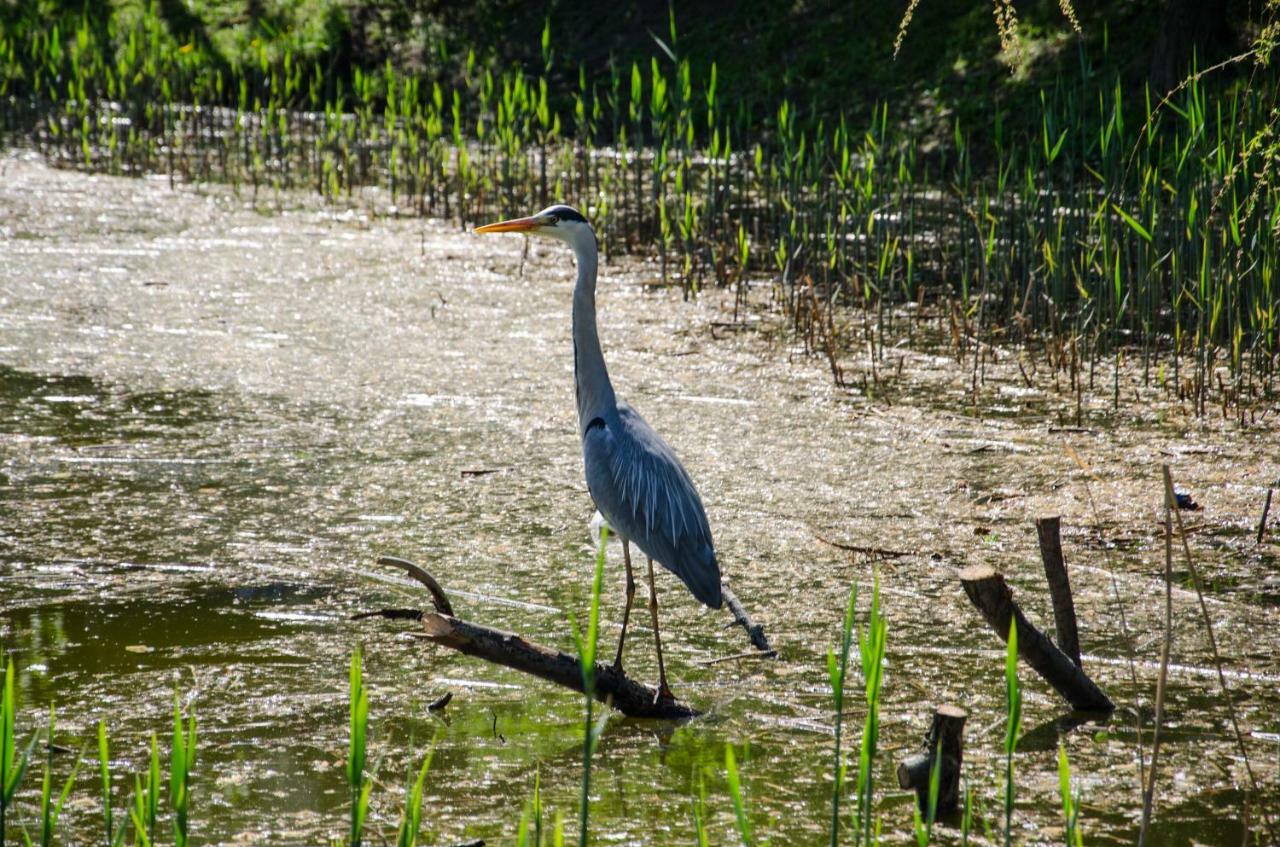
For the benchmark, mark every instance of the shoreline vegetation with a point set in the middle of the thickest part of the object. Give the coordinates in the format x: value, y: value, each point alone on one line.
x: 1109, y: 230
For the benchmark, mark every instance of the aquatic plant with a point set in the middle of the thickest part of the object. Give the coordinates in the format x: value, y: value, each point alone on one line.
x: 586, y: 644
x: 1013, y: 725
x: 736, y: 795
x: 1073, y: 835
x: 181, y: 758
x: 924, y: 826
x: 411, y: 816
x: 837, y: 667
x: 13, y: 763
x: 871, y: 647
x: 51, y: 809
x: 146, y: 800
x: 359, y: 784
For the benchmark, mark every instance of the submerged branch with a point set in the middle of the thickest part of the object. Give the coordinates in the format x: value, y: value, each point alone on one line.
x: 612, y: 685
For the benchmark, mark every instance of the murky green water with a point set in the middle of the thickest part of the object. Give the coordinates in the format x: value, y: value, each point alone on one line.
x: 212, y: 421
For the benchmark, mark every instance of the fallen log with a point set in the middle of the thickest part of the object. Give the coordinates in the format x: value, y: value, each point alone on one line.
x: 612, y: 686
x: 987, y: 590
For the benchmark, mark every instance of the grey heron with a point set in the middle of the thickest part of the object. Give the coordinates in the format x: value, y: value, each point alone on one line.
x: 633, y: 475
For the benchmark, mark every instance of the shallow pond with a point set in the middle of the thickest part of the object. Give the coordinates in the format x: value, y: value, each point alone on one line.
x: 214, y: 419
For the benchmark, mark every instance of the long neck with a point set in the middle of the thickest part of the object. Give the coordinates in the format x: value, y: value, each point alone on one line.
x: 590, y: 376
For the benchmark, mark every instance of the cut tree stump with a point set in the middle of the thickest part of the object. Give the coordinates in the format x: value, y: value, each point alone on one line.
x: 987, y: 590
x: 947, y: 732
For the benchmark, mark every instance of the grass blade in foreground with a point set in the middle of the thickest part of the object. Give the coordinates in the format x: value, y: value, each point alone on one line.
x: 871, y: 650
x: 12, y: 765
x: 837, y: 668
x: 587, y: 655
x: 735, y: 792
x: 1013, y: 694
x: 411, y: 817
x: 49, y: 810
x: 181, y: 760
x: 1074, y: 836
x: 356, y: 753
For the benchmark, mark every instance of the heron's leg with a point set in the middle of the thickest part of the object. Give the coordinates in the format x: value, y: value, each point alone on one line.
x: 631, y: 592
x: 664, y: 693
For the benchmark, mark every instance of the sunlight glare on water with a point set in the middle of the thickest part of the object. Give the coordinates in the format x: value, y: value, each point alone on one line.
x: 214, y: 421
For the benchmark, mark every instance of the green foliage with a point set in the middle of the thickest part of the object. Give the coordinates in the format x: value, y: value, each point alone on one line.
x: 736, y: 795
x: 924, y: 826
x: 586, y: 645
x: 837, y: 667
x: 181, y: 759
x: 871, y: 648
x: 13, y: 763
x: 1013, y: 725
x: 411, y: 817
x: 1073, y: 835
x: 51, y: 809
x: 359, y: 784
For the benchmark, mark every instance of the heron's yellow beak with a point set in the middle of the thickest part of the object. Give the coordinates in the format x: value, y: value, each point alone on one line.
x: 514, y: 225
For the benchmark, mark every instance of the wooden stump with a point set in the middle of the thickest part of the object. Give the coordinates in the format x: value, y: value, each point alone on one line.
x: 1055, y: 572
x: 987, y: 590
x: 945, y: 733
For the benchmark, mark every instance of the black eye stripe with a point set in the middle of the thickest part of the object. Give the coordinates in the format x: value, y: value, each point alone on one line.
x: 566, y: 213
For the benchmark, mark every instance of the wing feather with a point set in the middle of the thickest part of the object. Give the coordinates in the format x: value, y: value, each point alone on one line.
x: 641, y: 488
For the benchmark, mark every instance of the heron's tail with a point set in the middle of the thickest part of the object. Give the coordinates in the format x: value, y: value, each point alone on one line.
x: 703, y: 579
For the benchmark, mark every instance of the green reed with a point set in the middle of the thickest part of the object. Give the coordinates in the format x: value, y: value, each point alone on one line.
x: 586, y: 644
x: 923, y: 826
x: 737, y: 796
x: 359, y: 784
x: 871, y: 648
x: 411, y: 816
x: 13, y: 761
x: 50, y: 808
x: 113, y: 835
x: 145, y: 808
x: 837, y: 668
x: 1013, y: 725
x: 182, y: 757
x: 1073, y: 835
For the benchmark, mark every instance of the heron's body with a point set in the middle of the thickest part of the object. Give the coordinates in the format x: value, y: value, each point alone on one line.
x: 634, y: 477
x: 646, y: 495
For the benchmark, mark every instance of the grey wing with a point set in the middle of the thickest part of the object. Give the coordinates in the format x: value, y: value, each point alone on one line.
x: 644, y: 492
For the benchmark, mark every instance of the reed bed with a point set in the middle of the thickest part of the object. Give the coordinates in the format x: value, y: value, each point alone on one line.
x: 1121, y: 232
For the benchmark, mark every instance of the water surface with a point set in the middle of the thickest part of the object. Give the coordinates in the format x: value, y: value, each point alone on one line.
x: 214, y: 419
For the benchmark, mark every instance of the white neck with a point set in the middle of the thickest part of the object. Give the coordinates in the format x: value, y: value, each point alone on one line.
x: 590, y: 376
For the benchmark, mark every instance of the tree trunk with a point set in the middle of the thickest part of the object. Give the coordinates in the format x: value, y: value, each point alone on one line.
x: 1188, y: 29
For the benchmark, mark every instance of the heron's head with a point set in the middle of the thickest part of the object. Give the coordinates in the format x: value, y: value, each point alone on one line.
x: 562, y: 222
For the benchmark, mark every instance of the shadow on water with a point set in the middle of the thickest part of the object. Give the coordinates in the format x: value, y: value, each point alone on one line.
x: 80, y: 411
x: 206, y: 624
